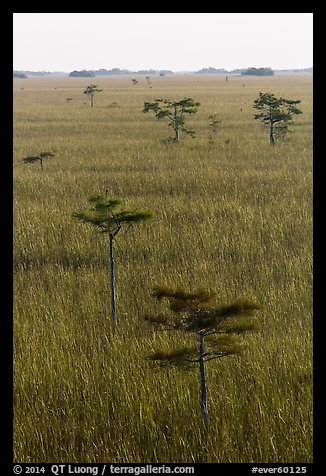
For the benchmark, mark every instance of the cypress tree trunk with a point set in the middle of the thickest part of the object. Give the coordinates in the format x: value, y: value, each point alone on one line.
x: 203, y: 390
x: 177, y: 134
x: 176, y: 125
x: 271, y: 135
x: 271, y: 127
x: 112, y: 286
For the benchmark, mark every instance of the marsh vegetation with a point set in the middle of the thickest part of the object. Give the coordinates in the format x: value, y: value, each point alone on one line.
x: 233, y: 215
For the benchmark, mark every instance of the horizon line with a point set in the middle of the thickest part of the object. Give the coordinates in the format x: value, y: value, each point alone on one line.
x: 158, y: 69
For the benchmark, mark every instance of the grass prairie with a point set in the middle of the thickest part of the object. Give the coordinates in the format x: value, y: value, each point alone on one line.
x: 232, y: 214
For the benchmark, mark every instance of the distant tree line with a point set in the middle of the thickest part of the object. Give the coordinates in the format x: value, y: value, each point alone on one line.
x: 38, y: 73
x: 20, y: 75
x: 162, y: 72
x: 211, y: 70
x: 117, y: 71
x: 248, y: 71
x: 258, y: 72
x: 82, y: 74
x: 107, y: 72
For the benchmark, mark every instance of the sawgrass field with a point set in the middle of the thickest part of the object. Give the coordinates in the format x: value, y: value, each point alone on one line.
x: 232, y: 214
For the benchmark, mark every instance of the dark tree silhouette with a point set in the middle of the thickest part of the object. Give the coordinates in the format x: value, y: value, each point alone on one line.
x: 35, y: 158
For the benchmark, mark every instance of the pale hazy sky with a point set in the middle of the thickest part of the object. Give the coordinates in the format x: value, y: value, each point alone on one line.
x: 175, y: 41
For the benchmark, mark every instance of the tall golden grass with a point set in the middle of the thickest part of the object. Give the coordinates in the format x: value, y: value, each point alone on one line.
x: 233, y: 215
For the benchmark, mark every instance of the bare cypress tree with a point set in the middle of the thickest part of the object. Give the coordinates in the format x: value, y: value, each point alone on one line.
x: 218, y: 329
x: 103, y: 215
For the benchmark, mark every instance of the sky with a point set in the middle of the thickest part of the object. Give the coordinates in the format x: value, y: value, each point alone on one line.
x: 173, y: 41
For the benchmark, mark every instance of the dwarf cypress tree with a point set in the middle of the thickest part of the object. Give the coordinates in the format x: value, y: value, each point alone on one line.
x: 90, y: 91
x: 35, y: 158
x: 175, y: 111
x: 218, y: 330
x: 276, y: 113
x: 104, y: 216
x: 213, y: 127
